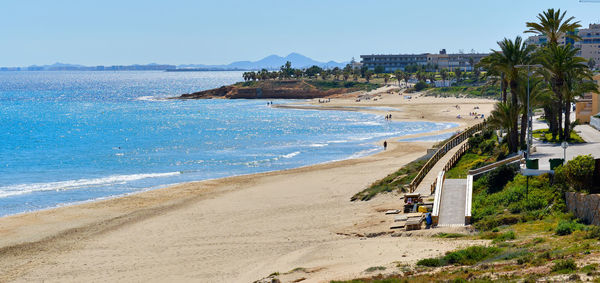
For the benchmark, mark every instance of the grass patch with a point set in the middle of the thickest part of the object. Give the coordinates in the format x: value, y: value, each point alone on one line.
x: 468, y: 91
x: 468, y: 161
x: 545, y: 136
x: 393, y: 182
x: 484, y: 149
x: 468, y: 256
x: 327, y: 85
x: 564, y: 266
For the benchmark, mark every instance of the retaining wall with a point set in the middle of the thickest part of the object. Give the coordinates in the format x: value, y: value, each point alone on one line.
x: 585, y: 207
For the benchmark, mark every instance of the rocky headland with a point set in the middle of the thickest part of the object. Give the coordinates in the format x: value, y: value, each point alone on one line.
x: 280, y: 89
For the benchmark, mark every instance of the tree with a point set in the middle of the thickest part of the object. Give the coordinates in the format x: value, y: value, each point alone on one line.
x: 559, y: 62
x: 386, y: 78
x: 379, y: 69
x: 346, y: 75
x: 552, y: 25
x: 286, y: 70
x: 472, y: 63
x: 458, y: 73
x: 444, y: 75
x: 506, y: 61
x: 336, y: 73
x: 313, y: 71
x: 324, y: 74
x: 398, y: 76
x: 579, y: 81
x: 368, y: 75
x: 539, y: 93
x: 503, y: 117
x: 406, y: 76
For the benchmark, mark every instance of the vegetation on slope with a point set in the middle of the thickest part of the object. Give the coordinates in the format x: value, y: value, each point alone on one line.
x: 484, y: 149
x: 396, y: 181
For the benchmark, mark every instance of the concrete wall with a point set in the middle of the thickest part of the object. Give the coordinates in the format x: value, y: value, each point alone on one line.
x: 585, y: 207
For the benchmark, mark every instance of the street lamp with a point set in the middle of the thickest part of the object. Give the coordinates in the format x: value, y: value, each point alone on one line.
x: 529, y: 116
x: 564, y: 145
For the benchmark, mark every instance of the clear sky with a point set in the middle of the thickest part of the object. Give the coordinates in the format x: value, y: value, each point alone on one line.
x: 106, y: 32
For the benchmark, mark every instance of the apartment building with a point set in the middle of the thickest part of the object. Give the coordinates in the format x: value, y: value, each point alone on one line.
x: 589, y: 44
x: 393, y: 62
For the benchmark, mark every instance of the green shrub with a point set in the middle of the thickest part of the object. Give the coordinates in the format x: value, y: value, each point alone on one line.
x: 431, y: 262
x: 421, y: 85
x: 498, y: 178
x: 526, y: 258
x: 471, y: 255
x: 579, y: 172
x: 566, y: 227
x: 593, y: 233
x: 564, y: 266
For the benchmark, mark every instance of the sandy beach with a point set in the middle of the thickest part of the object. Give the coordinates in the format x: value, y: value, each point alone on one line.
x: 299, y: 222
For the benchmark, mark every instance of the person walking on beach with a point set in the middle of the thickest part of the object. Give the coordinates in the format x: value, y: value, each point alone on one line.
x: 384, y: 145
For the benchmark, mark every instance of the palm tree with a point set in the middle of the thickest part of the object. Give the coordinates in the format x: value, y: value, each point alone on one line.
x: 444, y: 75
x: 579, y: 81
x: 539, y: 93
x: 386, y: 78
x: 368, y: 75
x: 345, y: 75
x: 493, y: 71
x: 553, y: 25
x: 398, y: 76
x: 458, y: 74
x: 506, y: 61
x: 560, y: 62
x: 406, y: 77
x: 502, y: 117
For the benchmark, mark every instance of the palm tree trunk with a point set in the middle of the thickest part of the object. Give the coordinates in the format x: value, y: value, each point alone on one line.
x: 515, y: 124
x: 503, y: 86
x: 559, y: 112
x: 567, y: 129
x: 523, y: 130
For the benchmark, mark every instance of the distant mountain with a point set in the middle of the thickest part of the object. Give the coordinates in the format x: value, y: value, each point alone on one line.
x: 272, y: 62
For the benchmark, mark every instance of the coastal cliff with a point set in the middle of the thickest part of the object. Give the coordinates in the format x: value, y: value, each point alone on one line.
x: 280, y: 89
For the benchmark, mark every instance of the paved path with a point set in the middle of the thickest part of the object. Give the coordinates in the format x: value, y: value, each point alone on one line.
x: 425, y: 187
x: 545, y: 151
x: 452, y: 205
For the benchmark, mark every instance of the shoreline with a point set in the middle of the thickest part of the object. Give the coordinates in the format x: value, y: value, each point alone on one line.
x: 260, y: 209
x: 281, y: 106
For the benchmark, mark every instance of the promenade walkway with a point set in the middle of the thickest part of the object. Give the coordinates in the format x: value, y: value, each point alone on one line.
x: 546, y: 151
x: 452, y: 204
x: 424, y: 187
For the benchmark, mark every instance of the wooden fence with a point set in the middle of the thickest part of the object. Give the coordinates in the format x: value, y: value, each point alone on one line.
x: 450, y: 144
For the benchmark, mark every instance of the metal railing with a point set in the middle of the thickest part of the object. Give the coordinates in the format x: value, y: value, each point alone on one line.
x: 454, y: 141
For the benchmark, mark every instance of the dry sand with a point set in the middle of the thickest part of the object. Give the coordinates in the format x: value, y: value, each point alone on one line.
x: 236, y: 229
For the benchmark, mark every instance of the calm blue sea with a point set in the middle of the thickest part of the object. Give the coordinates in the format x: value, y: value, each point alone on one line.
x: 69, y: 137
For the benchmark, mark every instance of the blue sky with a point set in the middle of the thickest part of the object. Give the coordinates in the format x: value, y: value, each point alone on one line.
x: 94, y: 32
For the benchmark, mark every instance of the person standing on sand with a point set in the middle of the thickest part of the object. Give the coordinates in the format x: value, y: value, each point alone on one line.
x: 384, y: 145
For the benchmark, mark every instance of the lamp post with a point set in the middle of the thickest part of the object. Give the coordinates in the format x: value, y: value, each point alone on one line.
x: 529, y: 116
x: 564, y: 145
